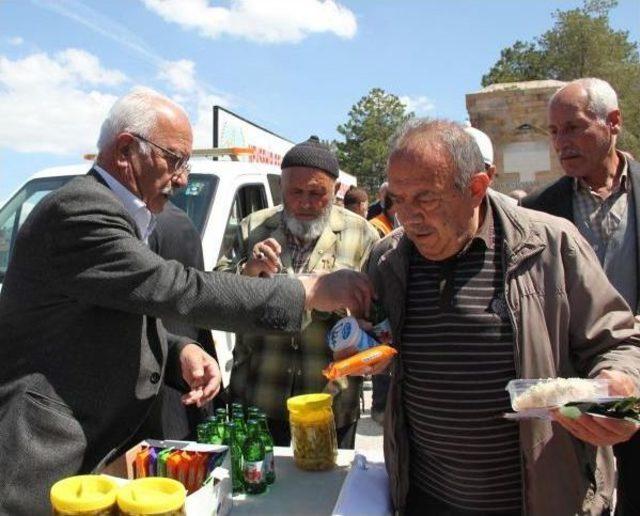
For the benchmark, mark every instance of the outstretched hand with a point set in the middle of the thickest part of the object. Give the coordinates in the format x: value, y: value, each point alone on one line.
x: 342, y: 289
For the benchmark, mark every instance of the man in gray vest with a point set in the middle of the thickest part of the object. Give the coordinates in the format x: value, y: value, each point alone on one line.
x: 597, y: 195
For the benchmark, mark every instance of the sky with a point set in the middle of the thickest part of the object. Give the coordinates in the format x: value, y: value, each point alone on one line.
x: 295, y: 67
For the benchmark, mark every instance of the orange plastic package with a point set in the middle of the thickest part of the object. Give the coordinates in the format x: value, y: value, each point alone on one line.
x: 369, y: 357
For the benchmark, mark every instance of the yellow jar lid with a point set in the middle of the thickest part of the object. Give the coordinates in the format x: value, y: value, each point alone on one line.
x: 309, y: 402
x: 83, y: 493
x: 151, y: 495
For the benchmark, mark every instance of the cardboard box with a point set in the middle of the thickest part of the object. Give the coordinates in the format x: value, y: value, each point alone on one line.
x: 212, y: 499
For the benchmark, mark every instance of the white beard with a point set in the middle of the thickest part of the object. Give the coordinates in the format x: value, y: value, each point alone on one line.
x: 307, y: 230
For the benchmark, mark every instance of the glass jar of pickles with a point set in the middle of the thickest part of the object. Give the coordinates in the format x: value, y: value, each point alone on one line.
x: 152, y: 496
x: 313, y: 431
x: 84, y: 495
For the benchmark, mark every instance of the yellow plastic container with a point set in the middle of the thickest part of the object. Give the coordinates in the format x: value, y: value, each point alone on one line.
x: 84, y: 495
x: 152, y: 496
x: 313, y: 431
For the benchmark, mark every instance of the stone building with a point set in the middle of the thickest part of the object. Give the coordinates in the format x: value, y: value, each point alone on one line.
x: 514, y: 115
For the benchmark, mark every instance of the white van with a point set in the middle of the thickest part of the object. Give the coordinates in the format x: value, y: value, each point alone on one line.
x: 218, y: 196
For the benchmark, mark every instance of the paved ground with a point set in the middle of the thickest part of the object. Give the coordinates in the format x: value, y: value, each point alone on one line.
x: 369, y: 433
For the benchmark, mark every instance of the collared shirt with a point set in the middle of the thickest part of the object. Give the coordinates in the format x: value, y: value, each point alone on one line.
x: 299, y: 249
x: 609, y: 225
x: 144, y: 219
x: 603, y: 216
x: 486, y: 231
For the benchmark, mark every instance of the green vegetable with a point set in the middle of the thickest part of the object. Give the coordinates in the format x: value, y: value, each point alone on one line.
x: 627, y: 409
x: 570, y: 412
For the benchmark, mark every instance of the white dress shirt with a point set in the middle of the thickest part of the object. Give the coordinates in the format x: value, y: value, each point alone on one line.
x: 145, y: 220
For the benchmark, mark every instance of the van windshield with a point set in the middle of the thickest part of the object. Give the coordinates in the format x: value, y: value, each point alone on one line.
x: 14, y: 213
x: 195, y: 199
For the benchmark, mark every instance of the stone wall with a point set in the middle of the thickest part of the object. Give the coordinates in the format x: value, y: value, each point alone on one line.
x: 514, y: 116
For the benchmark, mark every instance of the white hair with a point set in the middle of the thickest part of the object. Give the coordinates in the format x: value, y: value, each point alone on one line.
x: 136, y: 112
x: 601, y: 97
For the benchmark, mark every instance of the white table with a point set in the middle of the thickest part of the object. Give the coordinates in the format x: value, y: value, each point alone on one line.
x: 296, y: 491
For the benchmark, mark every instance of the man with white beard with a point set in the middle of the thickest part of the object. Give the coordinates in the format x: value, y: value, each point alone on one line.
x: 306, y: 234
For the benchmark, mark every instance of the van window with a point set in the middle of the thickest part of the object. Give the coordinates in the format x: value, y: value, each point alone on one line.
x: 248, y: 198
x: 195, y: 198
x: 14, y: 213
x: 274, y: 186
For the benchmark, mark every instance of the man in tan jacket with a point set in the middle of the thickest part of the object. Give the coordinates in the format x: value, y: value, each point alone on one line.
x: 480, y: 292
x: 307, y: 234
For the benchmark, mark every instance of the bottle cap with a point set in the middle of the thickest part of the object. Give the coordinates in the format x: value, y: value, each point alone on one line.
x: 83, y: 493
x: 152, y: 495
x: 309, y: 402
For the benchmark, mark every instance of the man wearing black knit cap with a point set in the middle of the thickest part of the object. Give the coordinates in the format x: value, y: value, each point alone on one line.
x: 306, y: 234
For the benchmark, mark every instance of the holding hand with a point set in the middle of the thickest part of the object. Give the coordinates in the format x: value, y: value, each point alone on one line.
x: 601, y: 431
x: 201, y: 372
x: 265, y: 259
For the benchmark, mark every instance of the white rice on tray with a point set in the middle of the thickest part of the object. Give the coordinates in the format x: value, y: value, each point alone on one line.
x: 556, y: 392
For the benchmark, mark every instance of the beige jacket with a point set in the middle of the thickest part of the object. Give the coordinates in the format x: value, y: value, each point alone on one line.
x: 268, y: 367
x: 567, y: 321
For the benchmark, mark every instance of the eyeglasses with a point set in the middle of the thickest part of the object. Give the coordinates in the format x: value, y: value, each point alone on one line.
x: 181, y: 165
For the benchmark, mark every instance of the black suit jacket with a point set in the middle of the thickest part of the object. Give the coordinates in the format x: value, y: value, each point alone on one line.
x: 557, y: 199
x: 82, y: 348
x: 176, y: 238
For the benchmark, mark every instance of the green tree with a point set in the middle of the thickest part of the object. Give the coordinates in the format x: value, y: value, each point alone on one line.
x: 372, y: 122
x: 521, y: 62
x: 580, y: 44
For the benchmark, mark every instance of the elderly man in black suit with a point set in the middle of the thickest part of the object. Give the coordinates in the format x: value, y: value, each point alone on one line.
x: 81, y: 343
x: 600, y: 194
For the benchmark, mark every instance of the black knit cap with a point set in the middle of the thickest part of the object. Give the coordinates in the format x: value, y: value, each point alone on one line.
x: 311, y: 154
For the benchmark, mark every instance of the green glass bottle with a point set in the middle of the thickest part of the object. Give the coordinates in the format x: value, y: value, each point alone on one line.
x: 269, y: 458
x: 253, y: 460
x: 212, y: 431
x: 234, y: 408
x: 202, y: 432
x: 241, y: 427
x: 253, y: 413
x: 231, y: 440
x: 214, y: 435
x: 221, y: 420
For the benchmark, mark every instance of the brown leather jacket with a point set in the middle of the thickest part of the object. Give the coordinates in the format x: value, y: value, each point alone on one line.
x: 568, y: 321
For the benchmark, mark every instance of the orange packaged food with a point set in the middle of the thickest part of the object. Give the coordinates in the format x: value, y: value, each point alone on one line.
x: 173, y: 465
x: 141, y: 463
x: 354, y: 364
